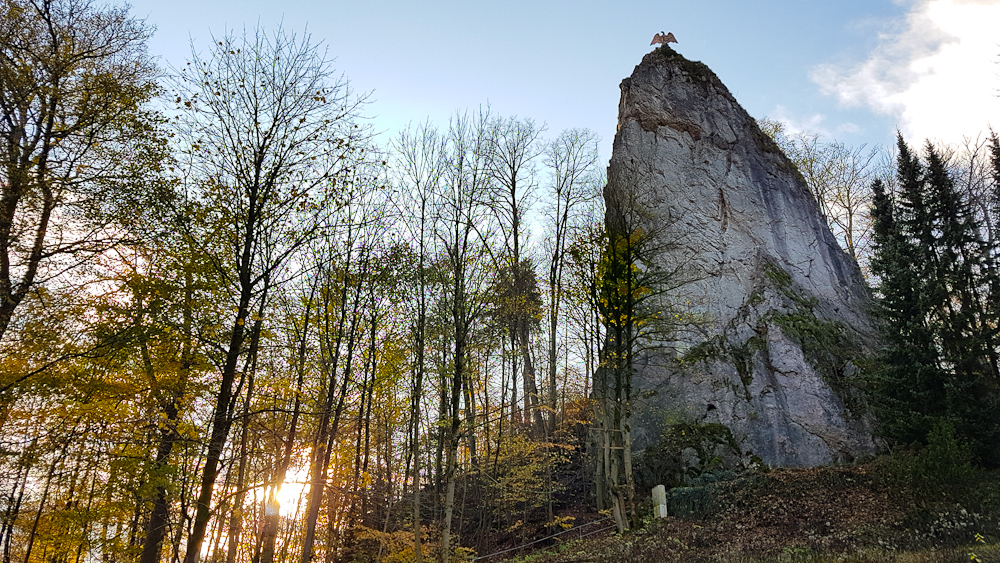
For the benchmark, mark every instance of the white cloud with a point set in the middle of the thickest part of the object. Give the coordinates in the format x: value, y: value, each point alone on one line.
x: 937, y: 75
x: 794, y: 125
x: 811, y: 124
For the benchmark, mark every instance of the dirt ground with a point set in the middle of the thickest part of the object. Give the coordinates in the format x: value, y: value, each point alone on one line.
x: 855, y: 513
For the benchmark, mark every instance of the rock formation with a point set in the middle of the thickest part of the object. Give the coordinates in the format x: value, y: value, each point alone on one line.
x: 771, y: 316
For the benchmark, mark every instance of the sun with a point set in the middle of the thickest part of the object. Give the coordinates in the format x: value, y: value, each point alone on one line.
x: 292, y: 491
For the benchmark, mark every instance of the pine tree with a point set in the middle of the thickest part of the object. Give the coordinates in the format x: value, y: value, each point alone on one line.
x: 967, y: 318
x: 937, y: 291
x: 909, y: 385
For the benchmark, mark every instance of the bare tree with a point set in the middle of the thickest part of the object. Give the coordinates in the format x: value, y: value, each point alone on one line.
x: 584, y: 251
x: 345, y: 262
x: 300, y: 306
x: 571, y: 159
x: 839, y: 178
x: 420, y: 161
x: 514, y: 146
x: 461, y: 217
x: 973, y: 170
x: 268, y: 130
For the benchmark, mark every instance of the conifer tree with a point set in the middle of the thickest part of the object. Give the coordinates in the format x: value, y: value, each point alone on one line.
x: 967, y: 316
x: 937, y: 301
x: 909, y: 379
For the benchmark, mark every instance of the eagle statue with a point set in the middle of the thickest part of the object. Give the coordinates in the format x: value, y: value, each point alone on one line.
x: 662, y: 39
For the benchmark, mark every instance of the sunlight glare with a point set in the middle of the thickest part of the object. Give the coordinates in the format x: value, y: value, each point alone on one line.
x: 292, y: 490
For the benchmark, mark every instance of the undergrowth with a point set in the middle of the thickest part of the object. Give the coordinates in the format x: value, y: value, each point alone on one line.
x: 920, y: 505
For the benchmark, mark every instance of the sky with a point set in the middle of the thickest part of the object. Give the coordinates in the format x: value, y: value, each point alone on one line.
x: 854, y: 71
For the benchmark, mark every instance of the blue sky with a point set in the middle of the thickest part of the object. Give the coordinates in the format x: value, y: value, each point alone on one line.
x: 853, y: 70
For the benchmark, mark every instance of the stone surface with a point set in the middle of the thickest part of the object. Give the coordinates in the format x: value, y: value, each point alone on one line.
x: 660, y: 501
x: 659, y: 494
x: 772, y: 315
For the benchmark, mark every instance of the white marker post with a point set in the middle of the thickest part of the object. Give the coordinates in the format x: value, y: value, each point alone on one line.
x: 660, y: 501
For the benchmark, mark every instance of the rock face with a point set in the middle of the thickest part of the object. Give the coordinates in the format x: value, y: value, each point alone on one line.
x: 771, y: 317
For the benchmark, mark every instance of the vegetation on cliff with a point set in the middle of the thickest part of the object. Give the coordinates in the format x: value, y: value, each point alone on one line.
x: 235, y: 329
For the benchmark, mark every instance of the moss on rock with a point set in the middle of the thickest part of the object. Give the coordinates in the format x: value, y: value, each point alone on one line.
x: 684, y: 452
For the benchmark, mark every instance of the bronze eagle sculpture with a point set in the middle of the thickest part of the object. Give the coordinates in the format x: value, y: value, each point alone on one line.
x: 663, y: 39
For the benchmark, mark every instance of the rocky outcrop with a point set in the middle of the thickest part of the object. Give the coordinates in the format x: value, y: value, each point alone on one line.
x: 770, y: 319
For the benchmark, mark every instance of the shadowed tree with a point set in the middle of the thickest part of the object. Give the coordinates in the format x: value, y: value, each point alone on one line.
x: 462, y: 224
x: 514, y: 145
x: 79, y: 145
x: 571, y: 158
x: 268, y: 131
x: 420, y: 163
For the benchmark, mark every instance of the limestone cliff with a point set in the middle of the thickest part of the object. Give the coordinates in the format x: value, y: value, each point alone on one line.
x: 772, y: 313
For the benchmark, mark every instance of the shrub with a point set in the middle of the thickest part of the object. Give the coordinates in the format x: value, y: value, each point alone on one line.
x: 942, y: 468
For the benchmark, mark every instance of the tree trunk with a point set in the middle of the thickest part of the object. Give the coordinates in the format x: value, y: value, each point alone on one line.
x: 15, y: 498
x: 250, y: 368
x: 156, y: 528
x: 442, y: 435
x: 219, y: 433
x: 236, y: 517
x: 461, y: 350
x: 415, y: 395
x: 449, y: 500
x: 553, y: 364
x: 272, y: 511
x: 470, y: 416
x: 45, y: 496
x: 323, y: 444
x: 533, y: 412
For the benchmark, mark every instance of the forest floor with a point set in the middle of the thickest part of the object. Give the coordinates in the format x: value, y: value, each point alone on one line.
x: 858, y: 513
